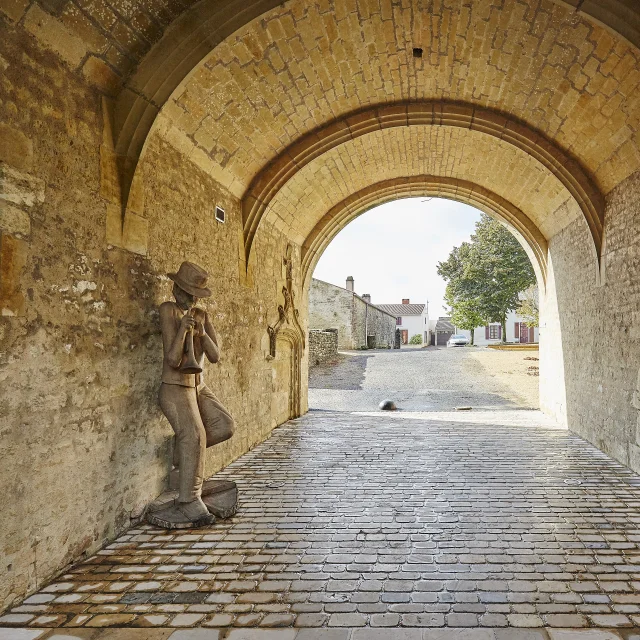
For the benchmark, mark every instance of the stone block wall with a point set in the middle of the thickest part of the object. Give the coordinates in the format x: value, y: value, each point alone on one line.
x: 368, y: 320
x: 323, y: 345
x: 332, y: 307
x: 83, y: 442
x: 383, y: 326
x: 590, y: 358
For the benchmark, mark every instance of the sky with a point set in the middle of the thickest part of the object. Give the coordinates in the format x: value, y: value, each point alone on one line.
x: 392, y: 251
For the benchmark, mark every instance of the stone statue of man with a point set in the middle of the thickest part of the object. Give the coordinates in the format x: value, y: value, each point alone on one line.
x: 198, y: 419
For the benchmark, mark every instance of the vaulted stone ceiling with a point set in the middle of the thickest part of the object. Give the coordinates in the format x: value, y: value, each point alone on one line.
x: 233, y: 85
x: 303, y: 64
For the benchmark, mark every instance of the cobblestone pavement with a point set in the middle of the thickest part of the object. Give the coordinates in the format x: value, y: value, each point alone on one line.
x: 434, y: 525
x: 433, y: 379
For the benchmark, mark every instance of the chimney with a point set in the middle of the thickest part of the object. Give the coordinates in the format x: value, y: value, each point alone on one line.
x: 350, y: 285
x: 366, y: 297
x: 405, y: 300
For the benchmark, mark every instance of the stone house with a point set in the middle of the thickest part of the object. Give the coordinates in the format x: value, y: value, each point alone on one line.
x: 359, y: 323
x: 411, y: 319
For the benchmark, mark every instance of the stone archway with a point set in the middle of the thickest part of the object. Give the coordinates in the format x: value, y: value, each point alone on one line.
x: 266, y: 185
x: 177, y: 66
x: 196, y: 32
x: 127, y: 126
x: 431, y: 186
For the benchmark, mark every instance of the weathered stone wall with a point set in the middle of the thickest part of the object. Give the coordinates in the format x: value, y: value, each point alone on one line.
x: 323, y: 345
x: 368, y: 320
x: 83, y: 443
x: 331, y: 307
x: 597, y: 334
x: 384, y: 327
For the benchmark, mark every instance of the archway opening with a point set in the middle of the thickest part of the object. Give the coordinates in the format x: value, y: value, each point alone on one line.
x: 380, y: 328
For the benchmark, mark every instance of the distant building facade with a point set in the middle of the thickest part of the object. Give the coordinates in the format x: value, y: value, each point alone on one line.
x: 517, y: 332
x: 442, y: 331
x: 411, y: 319
x: 359, y: 323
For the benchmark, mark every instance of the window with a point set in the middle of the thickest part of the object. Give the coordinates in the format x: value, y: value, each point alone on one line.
x: 494, y: 331
x: 398, y: 321
x: 219, y: 214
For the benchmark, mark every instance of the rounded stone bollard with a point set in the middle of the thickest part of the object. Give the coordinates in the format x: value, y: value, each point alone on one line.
x: 387, y: 405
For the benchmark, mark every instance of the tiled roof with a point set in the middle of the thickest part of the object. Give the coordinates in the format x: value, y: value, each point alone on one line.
x: 402, y: 309
x: 444, y: 324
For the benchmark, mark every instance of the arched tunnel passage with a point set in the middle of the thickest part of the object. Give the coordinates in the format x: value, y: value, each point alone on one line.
x: 126, y: 127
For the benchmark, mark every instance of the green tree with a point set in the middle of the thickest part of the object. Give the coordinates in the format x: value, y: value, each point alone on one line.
x: 464, y: 314
x: 486, y: 275
x: 529, y: 307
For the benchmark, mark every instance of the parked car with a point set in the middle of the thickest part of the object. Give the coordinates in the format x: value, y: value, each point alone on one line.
x: 457, y: 340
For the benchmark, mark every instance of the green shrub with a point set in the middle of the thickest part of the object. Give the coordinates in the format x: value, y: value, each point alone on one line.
x: 417, y: 339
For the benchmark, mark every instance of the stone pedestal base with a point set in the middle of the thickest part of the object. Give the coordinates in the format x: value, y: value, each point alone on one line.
x: 220, y: 496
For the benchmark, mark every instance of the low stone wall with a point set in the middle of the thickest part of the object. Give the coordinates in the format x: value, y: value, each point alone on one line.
x: 323, y: 345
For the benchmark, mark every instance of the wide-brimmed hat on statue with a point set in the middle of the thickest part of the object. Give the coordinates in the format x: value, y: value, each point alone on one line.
x: 193, y: 279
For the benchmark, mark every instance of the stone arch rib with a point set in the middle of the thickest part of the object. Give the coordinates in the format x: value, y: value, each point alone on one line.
x: 185, y: 44
x: 274, y: 176
x: 425, y: 185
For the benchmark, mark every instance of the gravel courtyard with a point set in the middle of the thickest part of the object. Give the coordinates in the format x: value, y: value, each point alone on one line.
x: 433, y: 379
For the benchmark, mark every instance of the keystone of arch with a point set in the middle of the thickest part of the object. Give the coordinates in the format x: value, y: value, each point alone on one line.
x: 464, y: 191
x: 265, y: 186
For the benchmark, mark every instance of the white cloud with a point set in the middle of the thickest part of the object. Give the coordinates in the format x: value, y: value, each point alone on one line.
x: 392, y: 251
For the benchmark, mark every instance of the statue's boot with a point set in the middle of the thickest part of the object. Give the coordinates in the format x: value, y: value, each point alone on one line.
x: 219, y: 496
x: 196, y: 511
x: 168, y: 513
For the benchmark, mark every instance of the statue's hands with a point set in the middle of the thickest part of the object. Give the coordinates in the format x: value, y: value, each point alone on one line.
x: 187, y: 322
x: 199, y: 328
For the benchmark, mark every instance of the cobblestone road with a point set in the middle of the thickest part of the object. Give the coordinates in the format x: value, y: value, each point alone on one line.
x: 416, y: 379
x: 413, y: 525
